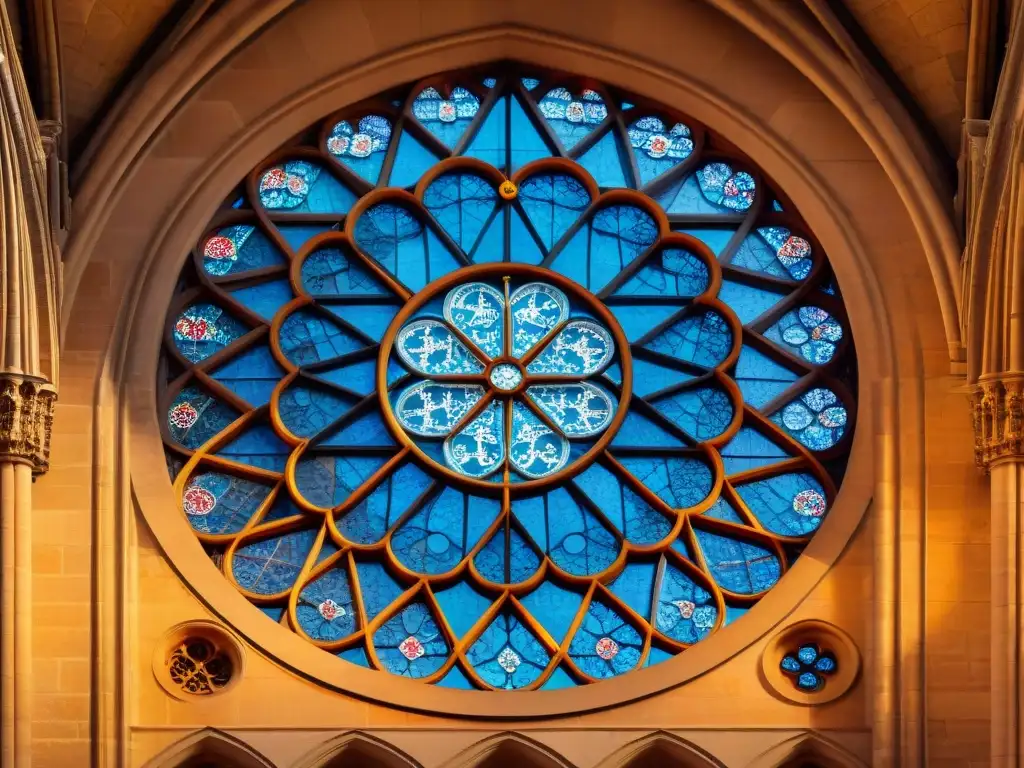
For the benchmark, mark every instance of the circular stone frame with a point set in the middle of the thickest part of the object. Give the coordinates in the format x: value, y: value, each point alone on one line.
x: 499, y: 271
x: 220, y: 638
x: 824, y: 635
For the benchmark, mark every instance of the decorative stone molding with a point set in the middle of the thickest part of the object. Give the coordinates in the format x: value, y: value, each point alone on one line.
x: 198, y: 658
x: 997, y: 411
x: 829, y: 643
x: 26, y: 420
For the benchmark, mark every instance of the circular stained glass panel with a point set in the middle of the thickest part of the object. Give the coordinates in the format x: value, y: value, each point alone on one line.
x: 511, y: 383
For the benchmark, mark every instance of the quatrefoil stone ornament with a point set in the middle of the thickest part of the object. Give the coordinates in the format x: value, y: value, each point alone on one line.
x: 503, y: 384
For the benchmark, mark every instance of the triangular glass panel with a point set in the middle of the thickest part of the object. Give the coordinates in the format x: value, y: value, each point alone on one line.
x: 446, y: 118
x: 305, y: 411
x: 461, y: 203
x: 411, y: 161
x: 527, y: 142
x: 265, y: 298
x: 443, y: 531
x: 507, y: 559
x: 489, y: 142
x: 604, y: 160
x: 361, y: 147
x: 326, y: 481
x: 299, y: 186
x: 368, y: 521
x: 195, y: 416
x: 310, y: 337
x: 746, y: 301
x: 658, y: 148
x: 462, y: 606
x: 258, y: 446
x: 702, y: 338
x: 507, y: 655
x: 553, y: 203
x: 739, y: 566
x: 635, y: 518
x: 749, y: 449
x: 331, y: 271
x: 572, y: 116
x: 270, y: 566
x: 237, y: 249
x: 704, y: 412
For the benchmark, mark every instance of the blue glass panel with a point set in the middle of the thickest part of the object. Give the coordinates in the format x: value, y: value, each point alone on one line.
x: 732, y: 613
x: 703, y: 338
x: 604, y: 161
x: 723, y: 510
x: 218, y: 503
x: 507, y: 655
x: 411, y: 161
x: 491, y: 246
x: 776, y: 206
x: 433, y: 409
x: 656, y: 147
x: 372, y: 319
x: 817, y: 418
x: 579, y: 410
x: 527, y: 143
x: 299, y: 186
x: 440, y: 534
x: 553, y: 203
x: 252, y: 375
x: 572, y: 116
x: 239, y: 249
x: 361, y: 375
x: 326, y: 609
x: 651, y: 377
x: 271, y: 566
x: 446, y: 118
x: 715, y: 238
x: 760, y: 378
x: 272, y: 612
x: 330, y: 271
x: 554, y: 608
x: 489, y: 143
x: 477, y: 310
x: 462, y: 606
x: 637, y: 320
x: 490, y: 82
x: 258, y: 446
x: 377, y: 588
x: 656, y: 656
x: 507, y: 559
x: 536, y: 309
x: 309, y: 337
x: 461, y: 203
x: 673, y: 272
x: 634, y: 517
x: 394, y: 237
x: 456, y: 678
x: 605, y: 645
x: 747, y: 301
x: 686, y: 611
x: 529, y: 83
x: 478, y: 449
x: 410, y: 643
x: 370, y: 519
x: 534, y: 449
x: 429, y: 347
x: 305, y: 411
x: 580, y: 349
x: 808, y: 332
x: 523, y: 246
x: 195, y: 416
x: 792, y: 504
x: 361, y: 148
x: 366, y: 430
x: 297, y: 235
x: 679, y: 481
x: 704, y: 412
x: 750, y: 450
x: 574, y: 539
x: 266, y: 298
x: 638, y: 431
x: 612, y: 239
x: 205, y: 329
x: 722, y: 186
x: 635, y: 587
x: 327, y: 481
x: 793, y: 253
x: 559, y: 679
x: 739, y: 566
x: 685, y: 197
x: 356, y: 655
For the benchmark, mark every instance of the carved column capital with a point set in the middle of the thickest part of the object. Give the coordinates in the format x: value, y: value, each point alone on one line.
x: 26, y: 420
x: 998, y: 415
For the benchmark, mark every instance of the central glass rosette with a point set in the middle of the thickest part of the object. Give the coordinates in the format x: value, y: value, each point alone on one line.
x: 501, y: 387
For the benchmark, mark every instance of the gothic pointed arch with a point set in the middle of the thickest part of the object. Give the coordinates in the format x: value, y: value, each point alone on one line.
x: 808, y: 750
x: 508, y: 748
x: 356, y: 748
x: 209, y: 748
x: 660, y: 749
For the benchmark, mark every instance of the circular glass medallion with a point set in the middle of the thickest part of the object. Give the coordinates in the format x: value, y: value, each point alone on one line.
x: 505, y: 376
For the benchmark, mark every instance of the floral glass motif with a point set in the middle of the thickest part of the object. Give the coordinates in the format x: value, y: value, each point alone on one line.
x: 809, y: 667
x: 514, y: 486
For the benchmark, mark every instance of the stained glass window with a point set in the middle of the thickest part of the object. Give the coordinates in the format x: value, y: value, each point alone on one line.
x: 511, y: 381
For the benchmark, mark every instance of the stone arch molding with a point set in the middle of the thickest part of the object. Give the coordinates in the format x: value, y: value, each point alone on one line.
x: 210, y: 744
x: 660, y: 749
x: 356, y: 748
x: 149, y: 234
x: 508, y: 749
x: 807, y: 749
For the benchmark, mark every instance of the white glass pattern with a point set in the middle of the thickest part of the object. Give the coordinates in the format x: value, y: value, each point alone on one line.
x: 478, y: 311
x: 537, y: 309
x: 433, y: 409
x: 429, y: 347
x: 580, y: 409
x: 505, y: 376
x: 478, y: 448
x: 581, y: 348
x: 535, y: 450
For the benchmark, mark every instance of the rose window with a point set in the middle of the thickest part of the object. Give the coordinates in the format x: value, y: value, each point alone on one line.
x: 506, y: 381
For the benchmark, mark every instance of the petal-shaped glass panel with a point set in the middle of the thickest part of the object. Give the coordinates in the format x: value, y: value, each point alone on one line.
x: 572, y: 116
x: 507, y: 655
x: 553, y: 203
x: 507, y: 558
x: 810, y: 332
x: 817, y: 418
x: 326, y: 608
x: 205, y: 329
x: 537, y: 309
x: 446, y: 118
x: 299, y: 186
x: 361, y: 148
x: 704, y: 412
x: 430, y: 347
x: 703, y: 338
x: 605, y: 645
x: 239, y: 249
x: 218, y: 503
x: 478, y: 449
x: 462, y: 203
x: 580, y: 409
x: 433, y: 409
x: 575, y: 539
x: 673, y: 272
x: 581, y: 348
x: 722, y: 186
x: 656, y: 147
x: 478, y: 310
x: 443, y: 531
x: 686, y: 611
x: 534, y: 448
x: 411, y: 643
x: 792, y: 504
x: 331, y: 271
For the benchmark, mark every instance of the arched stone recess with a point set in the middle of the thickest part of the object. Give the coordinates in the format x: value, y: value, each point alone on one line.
x: 209, y: 747
x: 807, y: 750
x: 660, y: 749
x: 355, y: 748
x: 504, y: 749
